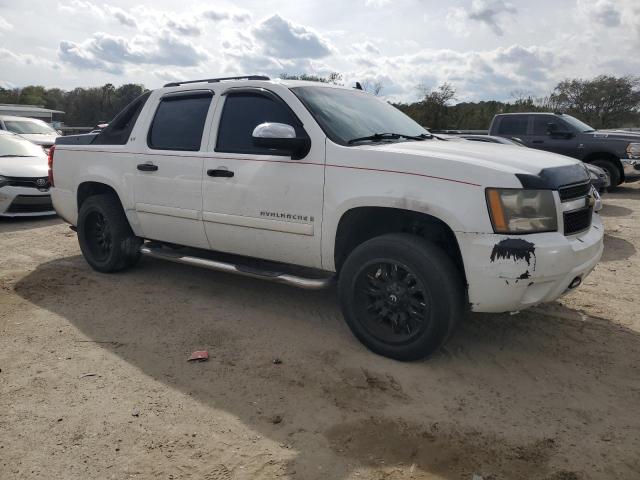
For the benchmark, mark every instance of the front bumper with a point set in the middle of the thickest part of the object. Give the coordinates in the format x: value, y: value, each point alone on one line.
x: 631, y: 168
x: 514, y: 280
x: 25, y: 202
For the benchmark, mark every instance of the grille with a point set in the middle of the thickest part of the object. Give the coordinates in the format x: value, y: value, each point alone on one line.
x: 577, y: 221
x: 29, y: 182
x: 574, y: 191
x: 31, y: 204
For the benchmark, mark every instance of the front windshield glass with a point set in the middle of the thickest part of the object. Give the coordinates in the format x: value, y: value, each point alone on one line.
x: 577, y: 124
x: 28, y: 127
x: 13, y: 146
x: 350, y: 114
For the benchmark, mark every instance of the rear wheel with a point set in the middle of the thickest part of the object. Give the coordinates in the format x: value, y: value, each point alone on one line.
x: 611, y: 168
x: 401, y: 296
x: 107, y: 242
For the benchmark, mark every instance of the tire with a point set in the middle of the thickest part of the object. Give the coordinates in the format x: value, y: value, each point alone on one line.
x: 105, y: 236
x: 611, y: 168
x: 411, y: 316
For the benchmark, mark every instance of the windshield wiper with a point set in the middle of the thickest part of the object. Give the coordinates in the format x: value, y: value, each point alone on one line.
x: 377, y: 137
x: 3, y: 156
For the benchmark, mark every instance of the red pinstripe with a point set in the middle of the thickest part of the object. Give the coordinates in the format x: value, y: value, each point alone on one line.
x: 296, y: 162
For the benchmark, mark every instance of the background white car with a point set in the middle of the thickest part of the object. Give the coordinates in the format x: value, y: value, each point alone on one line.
x: 32, y: 129
x: 24, y: 180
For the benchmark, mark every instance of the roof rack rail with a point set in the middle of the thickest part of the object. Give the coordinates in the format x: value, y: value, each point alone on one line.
x: 215, y: 80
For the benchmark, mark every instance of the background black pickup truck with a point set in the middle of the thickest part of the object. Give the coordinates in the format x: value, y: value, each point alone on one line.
x: 616, y: 151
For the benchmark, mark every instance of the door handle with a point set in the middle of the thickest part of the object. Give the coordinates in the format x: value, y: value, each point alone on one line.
x: 147, y: 167
x: 220, y: 172
x: 537, y: 141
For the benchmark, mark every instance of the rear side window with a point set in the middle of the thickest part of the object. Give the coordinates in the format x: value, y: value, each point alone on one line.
x: 513, y: 125
x: 179, y: 121
x: 243, y: 112
x: 119, y: 129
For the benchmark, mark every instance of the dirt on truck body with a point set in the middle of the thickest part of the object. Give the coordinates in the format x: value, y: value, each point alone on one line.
x: 95, y: 383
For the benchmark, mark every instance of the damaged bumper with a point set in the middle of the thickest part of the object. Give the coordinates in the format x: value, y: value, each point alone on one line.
x: 510, y: 273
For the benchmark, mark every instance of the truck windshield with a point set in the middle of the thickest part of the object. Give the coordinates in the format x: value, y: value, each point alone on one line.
x: 346, y: 115
x: 577, y: 124
x: 28, y: 127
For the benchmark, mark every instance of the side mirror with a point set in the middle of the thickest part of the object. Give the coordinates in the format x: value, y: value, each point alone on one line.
x: 280, y: 136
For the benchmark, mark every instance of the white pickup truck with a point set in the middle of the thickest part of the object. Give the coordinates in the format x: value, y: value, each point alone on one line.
x: 302, y: 183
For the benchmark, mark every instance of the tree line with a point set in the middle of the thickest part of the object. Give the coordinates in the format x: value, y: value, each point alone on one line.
x: 603, y: 102
x: 83, y: 107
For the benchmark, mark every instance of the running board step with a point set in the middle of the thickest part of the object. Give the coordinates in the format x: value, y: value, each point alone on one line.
x: 151, y: 250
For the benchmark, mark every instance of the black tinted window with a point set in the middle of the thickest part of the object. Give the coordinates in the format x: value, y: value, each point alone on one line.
x: 513, y: 125
x: 245, y: 111
x: 179, y: 122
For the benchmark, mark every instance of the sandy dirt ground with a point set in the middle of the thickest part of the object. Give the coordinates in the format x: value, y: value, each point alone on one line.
x: 94, y: 382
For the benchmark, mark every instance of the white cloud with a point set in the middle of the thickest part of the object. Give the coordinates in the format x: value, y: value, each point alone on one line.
x: 109, y: 52
x: 604, y: 12
x: 74, y: 55
x: 5, y: 26
x: 367, y: 47
x: 283, y: 39
x: 124, y: 18
x: 490, y: 12
x: 190, y: 29
x: 220, y: 15
x: 377, y: 3
x: 487, y: 57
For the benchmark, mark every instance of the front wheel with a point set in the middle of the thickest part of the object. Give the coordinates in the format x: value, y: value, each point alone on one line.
x: 612, y: 169
x: 107, y: 242
x: 401, y: 296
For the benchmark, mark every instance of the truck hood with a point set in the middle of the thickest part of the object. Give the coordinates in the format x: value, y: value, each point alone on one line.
x: 40, y: 138
x: 614, y: 135
x: 505, y: 158
x: 24, y: 166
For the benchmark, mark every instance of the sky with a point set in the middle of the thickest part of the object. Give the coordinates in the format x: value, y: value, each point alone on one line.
x: 487, y: 49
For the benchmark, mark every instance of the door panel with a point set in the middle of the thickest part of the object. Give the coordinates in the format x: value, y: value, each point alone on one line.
x: 271, y: 207
x: 168, y: 179
x: 169, y: 200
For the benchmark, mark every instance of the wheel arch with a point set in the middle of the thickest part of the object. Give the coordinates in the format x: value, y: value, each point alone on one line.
x: 91, y: 187
x: 362, y: 223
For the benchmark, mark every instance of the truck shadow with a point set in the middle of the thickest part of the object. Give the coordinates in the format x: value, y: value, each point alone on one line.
x: 627, y: 191
x: 615, y: 211
x: 616, y: 248
x: 567, y: 389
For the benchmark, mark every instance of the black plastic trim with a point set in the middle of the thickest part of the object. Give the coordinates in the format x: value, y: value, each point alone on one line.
x: 555, y: 177
x: 216, y: 80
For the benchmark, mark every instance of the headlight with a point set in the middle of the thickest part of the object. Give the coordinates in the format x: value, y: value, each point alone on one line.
x: 522, y: 211
x: 593, y: 175
x: 633, y: 150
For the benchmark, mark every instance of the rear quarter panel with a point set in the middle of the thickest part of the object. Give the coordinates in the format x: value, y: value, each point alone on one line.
x: 111, y: 165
